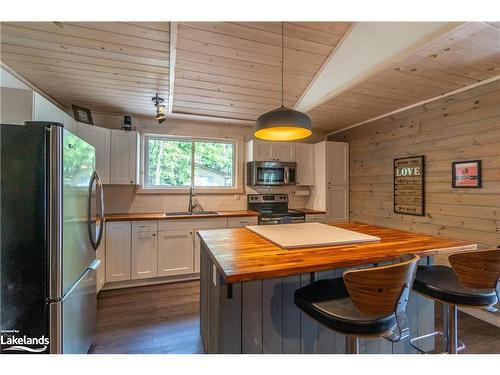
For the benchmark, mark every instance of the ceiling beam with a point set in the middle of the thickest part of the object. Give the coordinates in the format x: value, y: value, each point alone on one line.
x: 173, y: 53
x: 325, y: 64
x: 206, y: 118
x: 369, y: 48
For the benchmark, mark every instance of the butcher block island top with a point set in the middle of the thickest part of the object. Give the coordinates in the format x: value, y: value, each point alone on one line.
x: 241, y: 255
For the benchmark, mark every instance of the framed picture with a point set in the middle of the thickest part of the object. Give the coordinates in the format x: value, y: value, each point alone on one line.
x: 409, y: 195
x: 82, y: 115
x: 466, y: 174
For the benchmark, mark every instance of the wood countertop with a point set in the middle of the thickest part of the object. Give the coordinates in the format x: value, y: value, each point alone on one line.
x: 242, y: 255
x: 309, y: 211
x: 163, y: 216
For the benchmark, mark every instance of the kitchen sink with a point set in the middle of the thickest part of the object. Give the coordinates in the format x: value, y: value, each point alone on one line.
x: 205, y: 213
x: 186, y: 213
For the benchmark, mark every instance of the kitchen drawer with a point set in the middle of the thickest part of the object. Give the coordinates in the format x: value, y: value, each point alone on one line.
x: 182, y: 224
x: 235, y: 222
x: 316, y: 218
x: 144, y: 226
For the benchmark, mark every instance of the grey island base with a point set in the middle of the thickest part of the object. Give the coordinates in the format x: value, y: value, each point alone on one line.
x: 259, y: 316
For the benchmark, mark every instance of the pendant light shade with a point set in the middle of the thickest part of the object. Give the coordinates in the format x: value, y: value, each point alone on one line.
x: 283, y: 124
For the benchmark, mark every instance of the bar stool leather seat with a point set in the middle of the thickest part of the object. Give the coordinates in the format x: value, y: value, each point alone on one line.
x: 441, y: 283
x: 328, y: 302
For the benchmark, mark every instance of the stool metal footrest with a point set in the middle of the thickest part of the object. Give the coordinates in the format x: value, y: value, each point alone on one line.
x: 414, y: 342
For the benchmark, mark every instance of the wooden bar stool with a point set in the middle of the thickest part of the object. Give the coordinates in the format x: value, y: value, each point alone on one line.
x: 473, y: 280
x: 368, y: 302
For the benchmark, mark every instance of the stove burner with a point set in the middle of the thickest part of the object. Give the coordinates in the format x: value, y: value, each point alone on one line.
x: 273, y: 209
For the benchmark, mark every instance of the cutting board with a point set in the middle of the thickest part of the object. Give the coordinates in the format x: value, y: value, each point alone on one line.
x: 296, y: 236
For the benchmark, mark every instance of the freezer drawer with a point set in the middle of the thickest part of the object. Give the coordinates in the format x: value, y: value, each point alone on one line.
x: 74, y: 318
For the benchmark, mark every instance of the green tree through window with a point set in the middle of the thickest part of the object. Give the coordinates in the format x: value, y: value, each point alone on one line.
x: 169, y: 162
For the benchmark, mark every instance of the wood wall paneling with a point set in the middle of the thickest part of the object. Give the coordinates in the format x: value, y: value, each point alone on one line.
x: 465, y: 126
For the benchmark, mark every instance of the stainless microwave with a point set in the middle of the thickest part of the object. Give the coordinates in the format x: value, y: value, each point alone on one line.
x: 271, y: 173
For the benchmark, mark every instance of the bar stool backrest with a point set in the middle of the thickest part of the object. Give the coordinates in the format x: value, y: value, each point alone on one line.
x: 378, y: 290
x: 477, y: 269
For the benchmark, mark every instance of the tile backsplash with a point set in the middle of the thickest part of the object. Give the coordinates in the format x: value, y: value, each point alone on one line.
x: 123, y: 199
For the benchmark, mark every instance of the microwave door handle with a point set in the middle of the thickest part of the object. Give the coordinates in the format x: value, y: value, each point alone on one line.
x: 286, y: 175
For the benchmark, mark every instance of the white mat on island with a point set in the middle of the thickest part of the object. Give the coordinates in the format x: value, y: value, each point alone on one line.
x: 301, y: 235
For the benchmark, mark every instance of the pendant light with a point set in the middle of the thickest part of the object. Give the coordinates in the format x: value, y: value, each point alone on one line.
x: 282, y: 123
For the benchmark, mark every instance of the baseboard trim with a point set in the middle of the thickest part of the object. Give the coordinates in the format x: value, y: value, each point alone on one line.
x: 146, y: 282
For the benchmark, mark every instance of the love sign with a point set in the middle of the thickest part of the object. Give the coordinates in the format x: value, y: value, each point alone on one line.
x: 409, y: 186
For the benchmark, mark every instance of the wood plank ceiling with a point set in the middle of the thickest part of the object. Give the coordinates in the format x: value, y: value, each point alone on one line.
x: 112, y: 67
x: 232, y: 70
x: 463, y: 57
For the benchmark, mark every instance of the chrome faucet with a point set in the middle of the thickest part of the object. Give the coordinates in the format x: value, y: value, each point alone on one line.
x: 191, y: 206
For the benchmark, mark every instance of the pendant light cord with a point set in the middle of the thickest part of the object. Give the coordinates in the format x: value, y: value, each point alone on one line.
x: 282, y: 64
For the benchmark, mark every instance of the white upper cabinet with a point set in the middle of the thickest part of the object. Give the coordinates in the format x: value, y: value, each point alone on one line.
x: 338, y: 163
x: 269, y: 151
x: 44, y: 110
x: 258, y: 151
x: 304, y: 155
x: 283, y: 151
x: 124, y: 161
x: 70, y: 124
x: 331, y: 189
x: 16, y: 105
x: 100, y: 138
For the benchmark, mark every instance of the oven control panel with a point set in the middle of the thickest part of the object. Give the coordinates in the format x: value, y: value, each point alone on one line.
x: 267, y: 198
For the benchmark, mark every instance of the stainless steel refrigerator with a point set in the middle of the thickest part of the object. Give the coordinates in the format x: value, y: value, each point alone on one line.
x: 51, y: 224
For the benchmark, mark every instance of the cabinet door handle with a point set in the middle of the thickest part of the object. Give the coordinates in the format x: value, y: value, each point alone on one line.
x: 154, y: 234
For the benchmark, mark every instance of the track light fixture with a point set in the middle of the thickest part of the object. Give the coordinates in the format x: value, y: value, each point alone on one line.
x: 160, y: 108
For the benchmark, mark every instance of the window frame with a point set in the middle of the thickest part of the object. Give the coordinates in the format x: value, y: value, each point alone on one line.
x: 236, y: 175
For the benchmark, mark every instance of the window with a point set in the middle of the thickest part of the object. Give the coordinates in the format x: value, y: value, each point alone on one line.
x: 174, y: 162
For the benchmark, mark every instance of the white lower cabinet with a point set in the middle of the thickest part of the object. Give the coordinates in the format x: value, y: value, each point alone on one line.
x: 175, y: 252
x: 144, y: 250
x: 101, y: 271
x: 118, y: 251
x: 338, y: 203
x: 136, y: 250
x: 235, y: 222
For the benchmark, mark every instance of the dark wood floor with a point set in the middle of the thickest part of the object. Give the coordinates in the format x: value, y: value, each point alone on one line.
x: 164, y: 319
x: 151, y: 319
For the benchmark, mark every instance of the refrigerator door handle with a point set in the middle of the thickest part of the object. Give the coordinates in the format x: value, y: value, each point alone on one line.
x: 55, y: 213
x: 99, y: 190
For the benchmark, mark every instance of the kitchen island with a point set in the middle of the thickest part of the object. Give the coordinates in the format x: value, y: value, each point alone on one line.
x: 247, y: 285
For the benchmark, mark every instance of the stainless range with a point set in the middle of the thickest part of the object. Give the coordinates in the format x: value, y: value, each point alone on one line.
x: 273, y: 209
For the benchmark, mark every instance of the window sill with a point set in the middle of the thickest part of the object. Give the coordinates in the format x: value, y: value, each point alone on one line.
x: 185, y: 191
